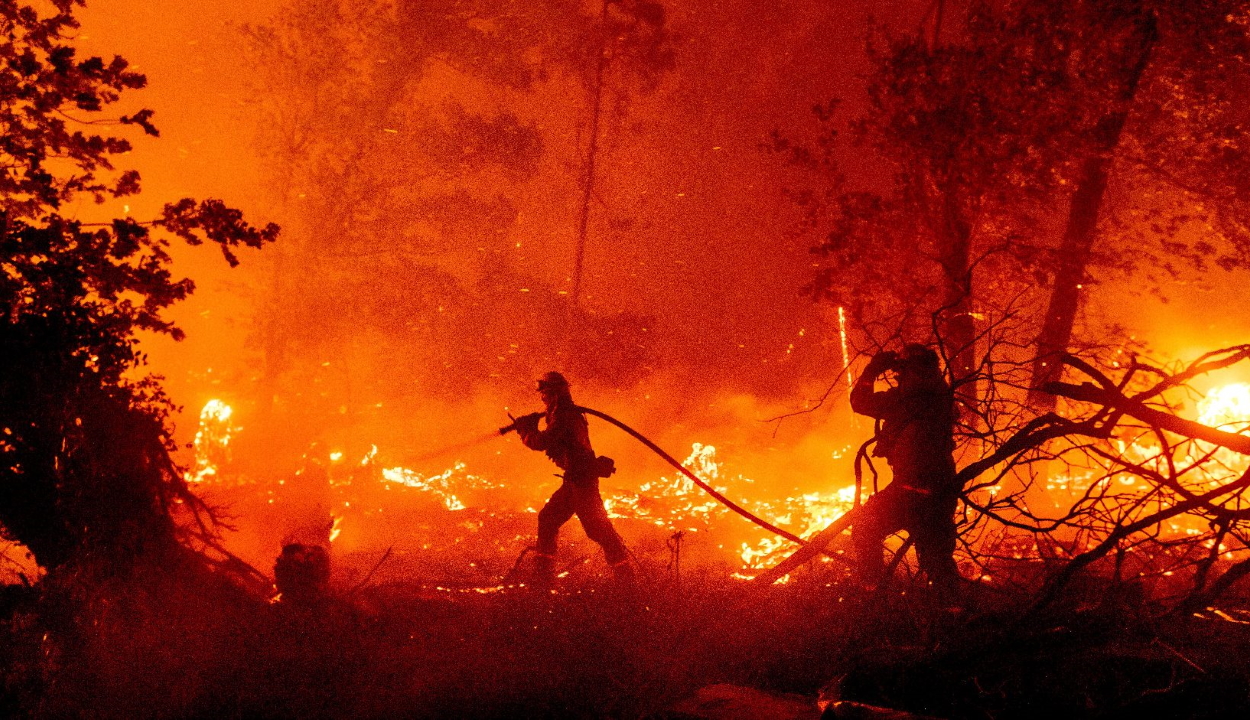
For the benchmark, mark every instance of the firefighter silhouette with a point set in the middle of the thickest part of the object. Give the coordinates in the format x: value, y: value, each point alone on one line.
x: 915, y: 436
x: 566, y: 440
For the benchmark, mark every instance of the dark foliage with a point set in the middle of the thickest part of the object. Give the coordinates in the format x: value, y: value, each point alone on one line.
x: 1122, y: 114
x: 84, y: 456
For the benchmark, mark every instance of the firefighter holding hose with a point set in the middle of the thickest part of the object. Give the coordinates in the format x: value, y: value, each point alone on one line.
x: 566, y: 440
x: 915, y: 436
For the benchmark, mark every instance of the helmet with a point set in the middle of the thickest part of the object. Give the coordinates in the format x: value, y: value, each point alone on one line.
x: 552, y: 381
x: 920, y: 357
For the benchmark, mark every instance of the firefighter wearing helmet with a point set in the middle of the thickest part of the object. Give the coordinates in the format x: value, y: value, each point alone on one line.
x: 915, y: 436
x: 566, y: 440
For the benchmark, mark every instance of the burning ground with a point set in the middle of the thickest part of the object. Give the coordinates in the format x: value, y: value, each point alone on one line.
x: 441, y: 519
x: 446, y: 522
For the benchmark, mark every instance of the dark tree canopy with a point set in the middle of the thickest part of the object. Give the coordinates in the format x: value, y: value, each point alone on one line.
x: 1038, y: 149
x: 84, y: 455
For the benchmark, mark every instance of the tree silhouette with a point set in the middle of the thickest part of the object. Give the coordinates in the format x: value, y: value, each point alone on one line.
x: 85, y: 468
x: 1181, y: 158
x: 1040, y: 146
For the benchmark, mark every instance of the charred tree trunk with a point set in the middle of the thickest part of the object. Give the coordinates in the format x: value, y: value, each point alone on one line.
x: 958, y: 325
x: 953, y: 229
x: 588, y: 179
x: 1081, y: 231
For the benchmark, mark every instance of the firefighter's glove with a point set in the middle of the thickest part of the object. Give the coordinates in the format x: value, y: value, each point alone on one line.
x: 882, y: 361
x: 528, y: 424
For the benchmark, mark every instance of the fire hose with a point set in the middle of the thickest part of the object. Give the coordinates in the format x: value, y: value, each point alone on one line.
x: 693, y: 478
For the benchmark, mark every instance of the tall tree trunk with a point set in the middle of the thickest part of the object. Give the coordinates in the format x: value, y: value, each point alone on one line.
x: 954, y: 232
x: 958, y: 326
x: 1083, y: 214
x: 592, y: 152
x: 274, y: 337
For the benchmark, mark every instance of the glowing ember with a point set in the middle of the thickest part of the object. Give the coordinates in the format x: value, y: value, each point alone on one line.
x: 439, y: 485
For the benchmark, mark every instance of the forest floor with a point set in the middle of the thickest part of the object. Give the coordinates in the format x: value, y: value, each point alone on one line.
x: 590, y: 650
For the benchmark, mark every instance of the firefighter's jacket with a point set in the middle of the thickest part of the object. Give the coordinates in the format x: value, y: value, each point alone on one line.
x: 916, y: 436
x: 566, y: 440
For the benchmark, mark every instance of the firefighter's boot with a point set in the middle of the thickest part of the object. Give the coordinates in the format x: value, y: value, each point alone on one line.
x: 623, y: 575
x: 544, y: 572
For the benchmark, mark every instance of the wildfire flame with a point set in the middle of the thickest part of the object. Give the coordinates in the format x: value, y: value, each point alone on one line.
x: 671, y: 502
x: 1226, y: 407
x: 677, y: 503
x: 674, y: 502
x: 439, y: 485
x: 212, y: 440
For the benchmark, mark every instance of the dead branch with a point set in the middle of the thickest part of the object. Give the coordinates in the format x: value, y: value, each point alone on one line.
x: 1108, y: 398
x: 1057, y: 583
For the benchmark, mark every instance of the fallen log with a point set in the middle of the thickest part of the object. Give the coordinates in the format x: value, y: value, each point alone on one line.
x: 811, y: 548
x: 735, y: 702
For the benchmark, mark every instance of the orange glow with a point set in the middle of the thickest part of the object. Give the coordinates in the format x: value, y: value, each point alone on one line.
x: 212, y: 441
x: 1226, y: 407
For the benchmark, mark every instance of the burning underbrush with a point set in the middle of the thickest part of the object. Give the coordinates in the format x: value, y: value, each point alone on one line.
x: 443, y: 523
x: 460, y: 519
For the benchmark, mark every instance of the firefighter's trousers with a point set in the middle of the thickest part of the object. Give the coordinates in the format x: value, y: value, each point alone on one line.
x: 582, y: 499
x: 929, y: 519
